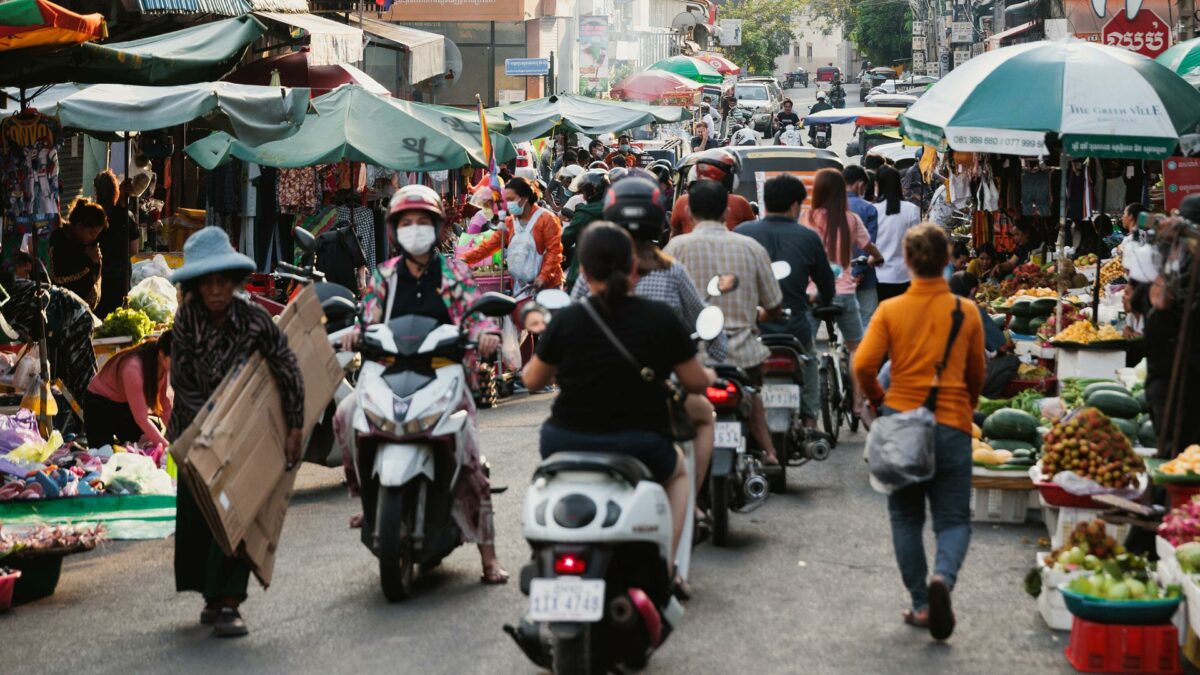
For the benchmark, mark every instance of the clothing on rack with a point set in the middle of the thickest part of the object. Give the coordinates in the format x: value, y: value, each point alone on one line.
x: 297, y: 190
x: 29, y: 144
x: 221, y: 187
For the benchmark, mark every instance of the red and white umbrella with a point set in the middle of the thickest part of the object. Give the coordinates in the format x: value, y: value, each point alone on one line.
x: 653, y: 85
x: 719, y: 63
x: 293, y: 70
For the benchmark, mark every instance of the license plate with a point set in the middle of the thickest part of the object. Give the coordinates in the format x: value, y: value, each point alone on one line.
x: 566, y: 599
x: 728, y: 435
x: 821, y: 135
x: 781, y: 395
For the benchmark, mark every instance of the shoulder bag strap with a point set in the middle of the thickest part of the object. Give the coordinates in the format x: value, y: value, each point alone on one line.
x: 646, y: 373
x: 955, y: 324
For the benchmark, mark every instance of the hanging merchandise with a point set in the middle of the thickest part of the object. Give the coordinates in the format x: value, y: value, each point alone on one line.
x: 29, y: 144
x: 1035, y: 193
x: 297, y: 190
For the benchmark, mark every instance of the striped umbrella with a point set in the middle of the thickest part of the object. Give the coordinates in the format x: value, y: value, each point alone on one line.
x: 692, y: 69
x: 1101, y: 101
x: 38, y: 23
x: 1183, y: 58
x: 720, y: 63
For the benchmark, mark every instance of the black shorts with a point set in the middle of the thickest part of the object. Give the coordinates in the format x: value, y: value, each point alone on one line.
x: 654, y: 450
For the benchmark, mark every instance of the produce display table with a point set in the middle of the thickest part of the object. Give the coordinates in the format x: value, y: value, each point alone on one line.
x: 999, y: 496
x: 124, y: 516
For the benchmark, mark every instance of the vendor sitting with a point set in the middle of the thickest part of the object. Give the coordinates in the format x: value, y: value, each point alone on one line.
x: 984, y: 264
x: 1026, y: 237
x: 75, y: 251
x: 624, y: 149
x: 130, y: 387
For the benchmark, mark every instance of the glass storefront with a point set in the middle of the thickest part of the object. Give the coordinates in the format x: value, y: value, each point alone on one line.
x: 484, y: 46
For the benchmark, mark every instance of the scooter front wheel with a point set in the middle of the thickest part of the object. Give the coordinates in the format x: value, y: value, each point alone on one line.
x: 394, y: 523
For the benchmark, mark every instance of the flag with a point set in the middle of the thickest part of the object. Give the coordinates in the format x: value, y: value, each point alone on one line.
x: 485, y: 140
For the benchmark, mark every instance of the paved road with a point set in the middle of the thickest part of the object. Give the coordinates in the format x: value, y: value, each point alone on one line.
x: 809, y: 586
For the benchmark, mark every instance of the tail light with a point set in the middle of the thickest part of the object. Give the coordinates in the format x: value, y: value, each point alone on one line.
x: 780, y: 362
x: 569, y: 563
x: 722, y: 397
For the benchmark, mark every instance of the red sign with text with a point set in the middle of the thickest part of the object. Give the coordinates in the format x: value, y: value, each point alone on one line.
x: 1181, y: 177
x: 1147, y: 34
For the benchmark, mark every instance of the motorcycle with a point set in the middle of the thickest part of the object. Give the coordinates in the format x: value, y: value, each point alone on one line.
x: 410, y: 424
x: 599, y: 582
x: 822, y: 135
x: 791, y: 136
x: 837, y: 95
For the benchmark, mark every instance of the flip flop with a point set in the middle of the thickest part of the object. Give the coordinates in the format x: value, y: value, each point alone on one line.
x: 941, y: 615
x: 913, y: 619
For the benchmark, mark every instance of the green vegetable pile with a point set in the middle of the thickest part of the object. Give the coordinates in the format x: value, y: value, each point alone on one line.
x: 152, y: 306
x: 1071, y: 391
x: 125, y: 321
x: 1026, y: 401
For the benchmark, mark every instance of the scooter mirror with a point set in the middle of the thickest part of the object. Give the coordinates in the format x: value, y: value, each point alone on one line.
x: 710, y: 322
x: 304, y: 239
x: 492, y: 304
x: 552, y: 299
x: 782, y: 269
x: 722, y: 283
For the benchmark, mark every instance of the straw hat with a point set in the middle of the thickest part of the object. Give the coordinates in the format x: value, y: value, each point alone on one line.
x: 209, y: 251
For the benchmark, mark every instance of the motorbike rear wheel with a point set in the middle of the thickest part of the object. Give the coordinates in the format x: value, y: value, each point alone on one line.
x: 395, y: 517
x: 831, y: 414
x: 718, y: 495
x: 573, y: 656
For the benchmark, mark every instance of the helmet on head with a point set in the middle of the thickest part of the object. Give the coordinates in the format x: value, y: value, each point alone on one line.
x: 820, y: 96
x: 416, y: 198
x: 591, y: 184
x: 569, y: 172
x: 636, y: 204
x: 662, y: 171
x: 717, y: 164
x: 617, y: 173
x: 598, y: 165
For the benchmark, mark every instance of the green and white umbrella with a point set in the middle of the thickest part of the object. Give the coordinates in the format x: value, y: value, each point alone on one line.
x: 1101, y: 101
x: 693, y: 69
x: 1183, y: 58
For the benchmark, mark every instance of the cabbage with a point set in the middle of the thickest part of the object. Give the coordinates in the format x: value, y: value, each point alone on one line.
x: 1188, y: 556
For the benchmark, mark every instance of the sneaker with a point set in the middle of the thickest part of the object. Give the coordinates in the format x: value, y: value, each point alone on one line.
x: 229, y: 623
x: 208, y: 616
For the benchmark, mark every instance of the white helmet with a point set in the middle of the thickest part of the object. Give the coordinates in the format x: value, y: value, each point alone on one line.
x: 569, y: 172
x: 820, y: 95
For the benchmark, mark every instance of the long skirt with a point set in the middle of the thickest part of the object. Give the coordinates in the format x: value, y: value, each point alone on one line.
x: 200, y: 564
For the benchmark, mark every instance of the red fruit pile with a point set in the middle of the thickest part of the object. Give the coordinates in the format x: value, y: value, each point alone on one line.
x: 1088, y: 444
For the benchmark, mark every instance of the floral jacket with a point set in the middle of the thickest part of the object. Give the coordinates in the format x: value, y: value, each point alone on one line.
x: 458, y: 291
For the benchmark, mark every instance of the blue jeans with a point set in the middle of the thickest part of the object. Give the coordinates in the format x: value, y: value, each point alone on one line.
x: 868, y: 301
x: 949, y: 495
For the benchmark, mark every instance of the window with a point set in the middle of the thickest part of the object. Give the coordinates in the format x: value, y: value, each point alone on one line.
x: 795, y: 50
x: 510, y: 33
x: 810, y: 52
x: 752, y: 92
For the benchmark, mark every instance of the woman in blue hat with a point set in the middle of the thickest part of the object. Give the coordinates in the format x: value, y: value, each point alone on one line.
x: 214, y: 331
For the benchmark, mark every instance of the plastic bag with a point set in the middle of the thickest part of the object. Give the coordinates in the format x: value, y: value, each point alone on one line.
x: 510, y: 344
x: 900, y: 450
x: 129, y: 473
x: 156, y: 297
x: 1086, y: 487
x: 37, y: 451
x: 155, y: 267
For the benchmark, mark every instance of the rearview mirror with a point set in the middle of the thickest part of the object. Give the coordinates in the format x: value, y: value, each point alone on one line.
x: 492, y: 304
x: 552, y: 299
x: 338, y: 304
x: 305, y: 240
x: 852, y: 150
x: 722, y: 283
x: 710, y: 322
x: 782, y: 269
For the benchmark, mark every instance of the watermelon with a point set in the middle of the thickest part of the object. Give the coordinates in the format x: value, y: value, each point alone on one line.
x: 1147, y: 438
x: 1022, y: 309
x: 1043, y: 307
x: 1035, y: 325
x: 1020, y: 325
x: 1140, y: 397
x: 1011, y: 424
x: 1114, y: 404
x: 1127, y: 427
x: 1010, y: 445
x: 1000, y: 320
x: 1103, y: 386
x: 1020, y: 461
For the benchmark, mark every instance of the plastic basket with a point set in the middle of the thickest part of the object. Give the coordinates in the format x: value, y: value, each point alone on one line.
x: 39, y: 578
x: 992, y: 505
x: 1054, y: 495
x: 1120, y: 612
x: 1050, y: 602
x: 1108, y: 648
x: 8, y: 582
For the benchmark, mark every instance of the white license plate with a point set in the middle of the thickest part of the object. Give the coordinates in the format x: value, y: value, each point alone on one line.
x: 566, y: 599
x: 728, y: 435
x: 781, y: 395
x: 820, y: 135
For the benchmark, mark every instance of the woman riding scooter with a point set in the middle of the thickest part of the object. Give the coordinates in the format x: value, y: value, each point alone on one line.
x: 423, y: 282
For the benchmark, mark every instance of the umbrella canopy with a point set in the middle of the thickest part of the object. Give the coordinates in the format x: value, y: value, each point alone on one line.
x: 692, y: 69
x: 201, y: 53
x: 251, y: 113
x: 653, y: 85
x: 1183, y: 58
x: 37, y: 23
x: 352, y: 123
x: 294, y: 70
x: 589, y: 116
x: 1102, y: 102
x: 720, y: 64
x: 863, y: 117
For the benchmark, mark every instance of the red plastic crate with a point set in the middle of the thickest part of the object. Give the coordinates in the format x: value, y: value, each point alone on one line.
x: 1177, y: 494
x: 1109, y: 648
x: 1056, y: 496
x: 261, y: 284
x: 7, y: 583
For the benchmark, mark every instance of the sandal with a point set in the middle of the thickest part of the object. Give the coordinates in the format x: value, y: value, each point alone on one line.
x: 917, y: 619
x: 681, y: 589
x: 494, y: 575
x: 941, y: 615
x: 356, y: 521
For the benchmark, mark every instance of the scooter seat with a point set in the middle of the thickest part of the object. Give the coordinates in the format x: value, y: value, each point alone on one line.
x: 624, y: 467
x: 783, y: 340
x: 827, y: 312
x: 728, y: 372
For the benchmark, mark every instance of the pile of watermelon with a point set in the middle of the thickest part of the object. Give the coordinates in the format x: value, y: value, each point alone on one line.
x: 1126, y: 410
x: 1014, y: 431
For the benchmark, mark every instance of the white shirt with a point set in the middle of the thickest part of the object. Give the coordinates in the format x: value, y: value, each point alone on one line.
x: 890, y: 241
x: 711, y: 124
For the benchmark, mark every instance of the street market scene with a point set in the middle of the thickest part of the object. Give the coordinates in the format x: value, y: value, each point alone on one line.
x: 731, y: 336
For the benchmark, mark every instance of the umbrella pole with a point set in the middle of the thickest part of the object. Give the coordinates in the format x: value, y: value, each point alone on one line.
x: 1096, y: 285
x: 1060, y: 248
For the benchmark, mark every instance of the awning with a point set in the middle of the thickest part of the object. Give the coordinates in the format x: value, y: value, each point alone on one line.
x: 330, y: 42
x: 426, y: 51
x: 285, y: 6
x: 994, y: 42
x: 218, y: 7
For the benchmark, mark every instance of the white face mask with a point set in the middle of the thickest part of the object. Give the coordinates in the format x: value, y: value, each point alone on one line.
x: 416, y: 239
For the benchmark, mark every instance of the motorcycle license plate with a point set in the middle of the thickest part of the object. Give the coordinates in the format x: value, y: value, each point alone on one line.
x: 728, y: 435
x: 820, y: 135
x: 566, y: 599
x: 781, y: 395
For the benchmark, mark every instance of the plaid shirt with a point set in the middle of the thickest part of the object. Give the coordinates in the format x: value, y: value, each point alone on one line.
x: 711, y: 250
x: 363, y: 220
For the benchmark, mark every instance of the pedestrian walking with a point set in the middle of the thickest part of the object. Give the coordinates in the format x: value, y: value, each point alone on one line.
x: 913, y: 330
x: 896, y: 217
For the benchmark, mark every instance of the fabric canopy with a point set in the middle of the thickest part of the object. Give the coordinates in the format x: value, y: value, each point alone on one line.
x: 426, y: 51
x: 217, y: 7
x: 590, y: 116
x: 294, y: 70
x: 863, y: 117
x: 38, y: 23
x: 352, y: 123
x: 1183, y: 58
x: 253, y: 114
x: 719, y: 63
x: 201, y: 53
x: 329, y: 42
x: 692, y: 69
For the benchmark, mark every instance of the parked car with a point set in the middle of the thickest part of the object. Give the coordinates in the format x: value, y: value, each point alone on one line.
x: 772, y: 160
x: 883, y: 99
x: 796, y: 78
x: 869, y: 81
x: 763, y: 98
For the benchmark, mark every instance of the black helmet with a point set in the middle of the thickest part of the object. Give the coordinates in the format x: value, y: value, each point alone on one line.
x: 636, y: 204
x: 591, y: 184
x: 662, y: 172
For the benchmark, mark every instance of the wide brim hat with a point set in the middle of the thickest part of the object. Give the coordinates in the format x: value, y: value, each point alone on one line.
x: 209, y: 251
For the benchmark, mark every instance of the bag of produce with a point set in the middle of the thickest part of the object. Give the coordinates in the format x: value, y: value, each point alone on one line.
x: 156, y: 297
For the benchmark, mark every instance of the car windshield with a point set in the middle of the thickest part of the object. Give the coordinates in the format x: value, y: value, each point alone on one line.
x: 752, y: 92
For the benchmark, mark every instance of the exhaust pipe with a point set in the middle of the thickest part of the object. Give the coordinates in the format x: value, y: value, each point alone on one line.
x: 755, y: 488
x: 622, y: 612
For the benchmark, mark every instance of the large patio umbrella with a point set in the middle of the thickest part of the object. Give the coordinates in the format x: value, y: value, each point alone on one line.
x: 352, y: 123
x: 649, y: 86
x: 692, y: 69
x: 1100, y: 101
x: 719, y: 63
x: 1183, y: 58
x: 294, y: 70
x: 863, y: 117
x: 586, y: 115
x: 38, y: 23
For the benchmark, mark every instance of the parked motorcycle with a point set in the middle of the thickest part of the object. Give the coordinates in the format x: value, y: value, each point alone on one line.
x: 410, y: 424
x: 599, y: 582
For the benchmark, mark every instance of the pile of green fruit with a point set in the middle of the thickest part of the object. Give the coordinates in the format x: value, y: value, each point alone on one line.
x: 1128, y: 411
x: 1115, y: 582
x: 1015, y: 431
x: 1088, y: 444
x: 1088, y: 547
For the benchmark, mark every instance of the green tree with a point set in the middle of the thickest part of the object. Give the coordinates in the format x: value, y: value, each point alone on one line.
x: 766, y: 32
x: 882, y: 30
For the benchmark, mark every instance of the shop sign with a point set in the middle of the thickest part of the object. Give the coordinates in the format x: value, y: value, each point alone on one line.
x: 593, y: 53
x: 1146, y: 34
x: 1181, y: 177
x: 918, y: 61
x: 918, y: 28
x: 961, y: 56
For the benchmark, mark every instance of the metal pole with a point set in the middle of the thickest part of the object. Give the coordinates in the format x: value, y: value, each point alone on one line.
x: 1064, y: 166
x: 1096, y: 286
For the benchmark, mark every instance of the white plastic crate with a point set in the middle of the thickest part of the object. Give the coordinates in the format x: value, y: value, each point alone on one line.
x: 1050, y: 601
x: 991, y: 505
x: 1060, y: 521
x: 1102, y: 363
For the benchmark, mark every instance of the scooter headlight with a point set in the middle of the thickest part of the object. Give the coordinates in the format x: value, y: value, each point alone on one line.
x: 433, y: 412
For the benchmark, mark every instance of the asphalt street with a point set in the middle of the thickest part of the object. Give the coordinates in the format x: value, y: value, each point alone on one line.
x: 809, y: 586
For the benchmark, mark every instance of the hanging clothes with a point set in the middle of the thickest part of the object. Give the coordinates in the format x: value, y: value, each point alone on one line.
x: 29, y: 144
x: 266, y: 217
x: 296, y: 191
x: 1035, y: 193
x: 221, y: 187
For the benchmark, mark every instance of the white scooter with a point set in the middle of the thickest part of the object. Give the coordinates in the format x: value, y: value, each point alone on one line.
x: 410, y: 425
x: 791, y: 136
x: 600, y: 581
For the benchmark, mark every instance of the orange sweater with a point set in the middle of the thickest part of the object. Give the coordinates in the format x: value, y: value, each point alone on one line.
x: 912, y: 330
x: 547, y: 238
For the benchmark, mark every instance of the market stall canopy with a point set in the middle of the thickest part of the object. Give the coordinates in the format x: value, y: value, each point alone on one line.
x: 589, y: 116
x: 188, y: 7
x: 329, y: 42
x: 38, y: 23
x: 253, y: 114
x: 198, y: 54
x: 1183, y: 58
x: 719, y: 63
x: 654, y: 85
x: 692, y: 69
x: 1101, y: 101
x: 863, y: 117
x: 426, y: 51
x: 295, y: 70
x: 352, y: 123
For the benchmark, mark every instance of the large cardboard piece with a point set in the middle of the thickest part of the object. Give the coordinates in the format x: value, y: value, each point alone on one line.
x: 232, y: 454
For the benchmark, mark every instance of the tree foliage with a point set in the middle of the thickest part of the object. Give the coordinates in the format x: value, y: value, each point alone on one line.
x: 766, y: 32
x: 881, y: 30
